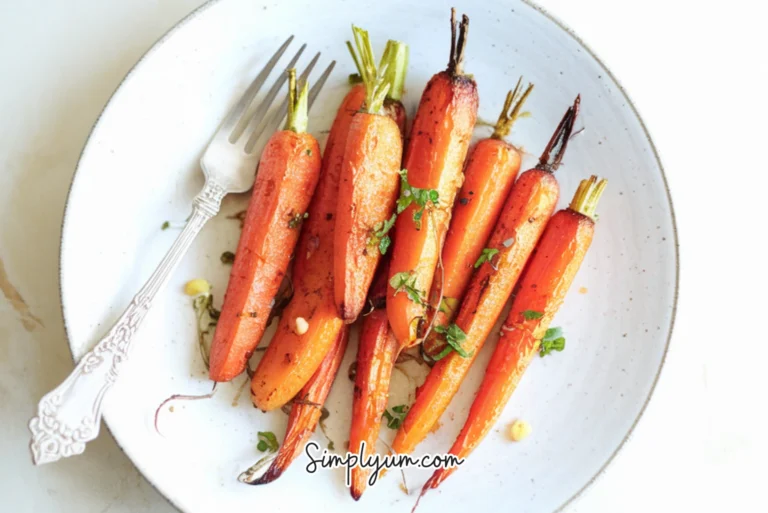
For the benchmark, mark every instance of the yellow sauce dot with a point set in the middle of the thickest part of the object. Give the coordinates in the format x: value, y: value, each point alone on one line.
x: 519, y: 430
x: 197, y: 287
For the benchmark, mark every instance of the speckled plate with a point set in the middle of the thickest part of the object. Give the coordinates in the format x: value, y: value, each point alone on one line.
x: 139, y: 168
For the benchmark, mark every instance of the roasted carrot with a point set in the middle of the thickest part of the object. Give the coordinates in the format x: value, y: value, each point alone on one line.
x: 306, y: 409
x: 439, y: 141
x: 291, y: 358
x: 542, y: 289
x: 526, y: 211
x: 368, y: 188
x: 376, y: 355
x: 287, y: 176
x: 491, y: 170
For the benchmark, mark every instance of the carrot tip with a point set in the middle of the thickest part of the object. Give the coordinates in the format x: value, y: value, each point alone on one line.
x: 356, y: 494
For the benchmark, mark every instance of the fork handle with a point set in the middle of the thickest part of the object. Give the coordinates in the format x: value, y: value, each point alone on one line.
x: 70, y: 415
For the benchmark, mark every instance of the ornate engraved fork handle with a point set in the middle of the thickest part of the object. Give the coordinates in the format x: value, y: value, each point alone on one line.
x: 70, y: 415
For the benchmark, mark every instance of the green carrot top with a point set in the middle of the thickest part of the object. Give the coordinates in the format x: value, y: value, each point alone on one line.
x: 587, y: 196
x: 386, y: 81
x: 298, y: 107
x: 511, y: 110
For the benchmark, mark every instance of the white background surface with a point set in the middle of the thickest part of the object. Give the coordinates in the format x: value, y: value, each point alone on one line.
x: 696, y: 73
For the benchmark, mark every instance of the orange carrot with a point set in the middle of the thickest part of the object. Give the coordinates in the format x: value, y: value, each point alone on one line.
x: 527, y: 209
x: 376, y: 355
x: 491, y: 170
x: 440, y: 137
x: 538, y: 296
x: 367, y: 191
x: 306, y: 409
x: 291, y: 358
x: 286, y: 179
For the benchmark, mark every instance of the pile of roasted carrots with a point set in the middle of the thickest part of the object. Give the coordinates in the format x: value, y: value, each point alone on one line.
x: 421, y: 236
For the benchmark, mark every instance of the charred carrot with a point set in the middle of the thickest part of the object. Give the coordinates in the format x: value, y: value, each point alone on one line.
x: 491, y: 170
x: 368, y: 188
x: 439, y: 141
x: 376, y: 355
x: 287, y: 175
x: 538, y: 296
x: 526, y: 211
x: 306, y: 410
x: 292, y: 357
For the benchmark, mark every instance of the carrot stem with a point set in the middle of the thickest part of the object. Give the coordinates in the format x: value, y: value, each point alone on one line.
x: 588, y: 195
x: 298, y: 106
x: 376, y: 88
x: 394, y: 66
x: 559, y: 141
x: 511, y: 111
x: 458, y: 46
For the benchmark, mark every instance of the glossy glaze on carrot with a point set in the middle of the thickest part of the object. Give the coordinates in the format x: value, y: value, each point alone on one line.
x: 306, y: 409
x: 525, y: 214
x: 542, y: 289
x: 287, y: 176
x: 368, y: 188
x: 291, y: 359
x: 376, y: 356
x: 491, y: 170
x: 439, y: 140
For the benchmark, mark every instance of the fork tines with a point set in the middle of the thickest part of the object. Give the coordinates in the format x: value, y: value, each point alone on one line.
x: 241, y: 122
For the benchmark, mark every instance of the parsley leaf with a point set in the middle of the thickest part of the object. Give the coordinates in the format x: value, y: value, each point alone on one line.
x: 454, y: 336
x: 410, y: 194
x: 395, y: 418
x: 486, y: 256
x: 553, y: 340
x: 448, y: 305
x: 531, y: 315
x: 267, y: 442
x: 380, y: 236
x: 406, y: 282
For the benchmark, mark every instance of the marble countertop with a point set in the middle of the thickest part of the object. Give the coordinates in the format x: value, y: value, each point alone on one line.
x: 699, y: 82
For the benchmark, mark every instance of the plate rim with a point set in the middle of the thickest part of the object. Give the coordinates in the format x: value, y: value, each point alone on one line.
x: 561, y: 25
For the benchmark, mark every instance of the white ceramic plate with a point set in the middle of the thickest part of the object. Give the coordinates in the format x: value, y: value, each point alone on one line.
x: 140, y: 168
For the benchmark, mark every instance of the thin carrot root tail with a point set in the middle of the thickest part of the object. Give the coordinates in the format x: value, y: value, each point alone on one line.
x: 273, y: 472
x: 458, y: 46
x: 511, y: 111
x: 588, y: 195
x: 559, y: 141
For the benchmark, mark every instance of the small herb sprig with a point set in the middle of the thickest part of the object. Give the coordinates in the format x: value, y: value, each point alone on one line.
x: 486, y: 256
x: 454, y: 336
x: 532, y: 315
x: 406, y: 282
x: 380, y: 234
x: 395, y: 418
x: 553, y: 340
x: 410, y: 194
x: 267, y: 442
x: 207, y: 318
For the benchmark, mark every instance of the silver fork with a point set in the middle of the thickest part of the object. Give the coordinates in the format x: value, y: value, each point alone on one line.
x: 69, y: 416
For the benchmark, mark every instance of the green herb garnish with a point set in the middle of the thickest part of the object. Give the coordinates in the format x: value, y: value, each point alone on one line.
x: 207, y: 318
x: 553, y: 341
x: 395, y: 418
x: 227, y: 257
x: 406, y: 282
x: 410, y: 194
x: 297, y: 219
x: 166, y: 225
x: 531, y: 315
x: 267, y: 442
x: 486, y: 256
x: 379, y: 236
x: 454, y: 336
x: 448, y: 305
